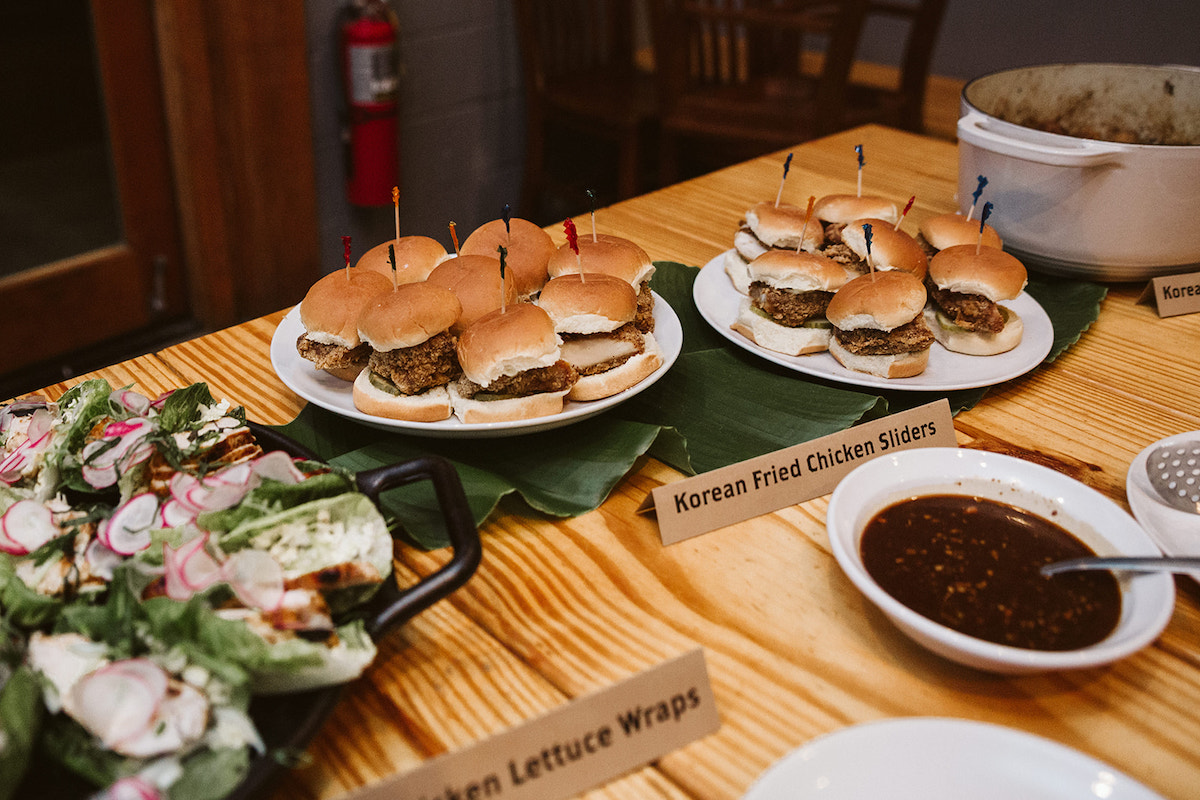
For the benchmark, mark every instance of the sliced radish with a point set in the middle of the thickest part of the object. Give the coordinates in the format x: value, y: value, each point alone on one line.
x: 100, y: 477
x: 14, y: 465
x: 28, y: 524
x: 131, y: 787
x: 278, y: 466
x: 118, y: 701
x: 180, y: 720
x: 178, y: 585
x: 200, y: 570
x: 174, y: 514
x: 131, y: 400
x: 256, y: 578
x: 127, y: 531
x: 101, y: 559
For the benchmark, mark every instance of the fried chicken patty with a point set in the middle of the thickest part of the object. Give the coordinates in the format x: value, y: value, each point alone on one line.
x: 644, y: 318
x: 332, y: 356
x: 557, y: 377
x: 414, y: 369
x: 629, y: 340
x: 972, y: 312
x: 789, y: 308
x: 908, y: 338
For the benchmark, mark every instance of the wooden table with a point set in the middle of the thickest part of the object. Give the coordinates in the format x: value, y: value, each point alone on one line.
x: 560, y: 608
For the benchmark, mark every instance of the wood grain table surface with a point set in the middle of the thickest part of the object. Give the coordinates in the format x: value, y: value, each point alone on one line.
x: 559, y: 608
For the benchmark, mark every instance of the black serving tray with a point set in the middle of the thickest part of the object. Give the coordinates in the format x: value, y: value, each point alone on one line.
x: 288, y: 722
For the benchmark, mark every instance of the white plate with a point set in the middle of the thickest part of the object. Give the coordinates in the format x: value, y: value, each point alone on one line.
x: 718, y: 300
x: 1147, y: 599
x: 1176, y: 532
x: 930, y: 758
x: 326, y: 391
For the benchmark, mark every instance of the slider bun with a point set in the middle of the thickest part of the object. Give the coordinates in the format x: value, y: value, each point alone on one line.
x: 416, y: 256
x: 476, y: 282
x: 633, y: 371
x: 593, y: 303
x: 976, y: 343
x: 612, y: 255
x: 432, y: 405
x: 780, y: 226
x: 993, y: 273
x: 767, y: 333
x: 798, y: 272
x: 947, y: 230
x: 843, y: 208
x: 738, y: 270
x: 899, y: 365
x: 528, y: 252
x: 890, y: 249
x: 506, y: 342
x: 747, y: 245
x: 329, y: 311
x: 542, y: 404
x: 880, y: 300
x: 407, y: 316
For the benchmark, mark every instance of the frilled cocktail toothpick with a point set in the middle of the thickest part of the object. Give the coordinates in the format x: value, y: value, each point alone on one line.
x: 812, y: 198
x: 867, y: 235
x: 592, y: 196
x: 503, y: 261
x: 392, y: 261
x: 396, y: 207
x: 506, y: 215
x: 987, y: 212
x: 904, y: 213
x: 787, y: 165
x: 454, y: 236
x: 858, y: 149
x: 975, y: 196
x: 346, y: 254
x: 573, y: 243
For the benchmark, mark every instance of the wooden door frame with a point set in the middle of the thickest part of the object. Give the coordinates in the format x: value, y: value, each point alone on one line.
x: 136, y: 282
x: 236, y: 92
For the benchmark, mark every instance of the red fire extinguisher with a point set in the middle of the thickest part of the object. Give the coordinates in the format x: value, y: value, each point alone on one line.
x: 370, y: 65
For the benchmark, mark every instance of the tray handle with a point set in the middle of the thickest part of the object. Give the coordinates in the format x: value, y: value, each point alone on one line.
x: 464, y: 537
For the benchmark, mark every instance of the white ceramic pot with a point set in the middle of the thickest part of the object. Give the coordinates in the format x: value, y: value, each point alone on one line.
x: 1075, y: 204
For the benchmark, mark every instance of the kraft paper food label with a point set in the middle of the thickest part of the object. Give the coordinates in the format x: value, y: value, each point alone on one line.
x: 573, y: 748
x: 793, y: 475
x: 1175, y: 294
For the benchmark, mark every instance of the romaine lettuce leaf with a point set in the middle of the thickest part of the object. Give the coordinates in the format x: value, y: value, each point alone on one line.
x: 21, y: 713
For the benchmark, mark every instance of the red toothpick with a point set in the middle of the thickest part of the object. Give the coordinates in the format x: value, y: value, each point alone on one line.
x: 396, y: 206
x: 904, y: 213
x: 812, y: 198
x: 573, y: 243
x: 454, y: 236
x: 346, y: 248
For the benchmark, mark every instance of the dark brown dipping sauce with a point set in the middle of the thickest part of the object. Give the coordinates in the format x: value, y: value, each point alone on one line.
x: 972, y: 565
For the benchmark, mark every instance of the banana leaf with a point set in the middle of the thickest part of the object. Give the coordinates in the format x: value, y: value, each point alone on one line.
x: 718, y: 405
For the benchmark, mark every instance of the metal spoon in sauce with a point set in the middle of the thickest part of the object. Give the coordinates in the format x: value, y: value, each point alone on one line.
x: 1125, y: 563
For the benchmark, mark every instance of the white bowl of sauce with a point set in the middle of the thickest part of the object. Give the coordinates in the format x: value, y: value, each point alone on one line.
x: 947, y: 542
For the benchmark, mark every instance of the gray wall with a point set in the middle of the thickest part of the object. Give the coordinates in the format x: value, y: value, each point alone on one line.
x: 461, y: 127
x: 461, y: 133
